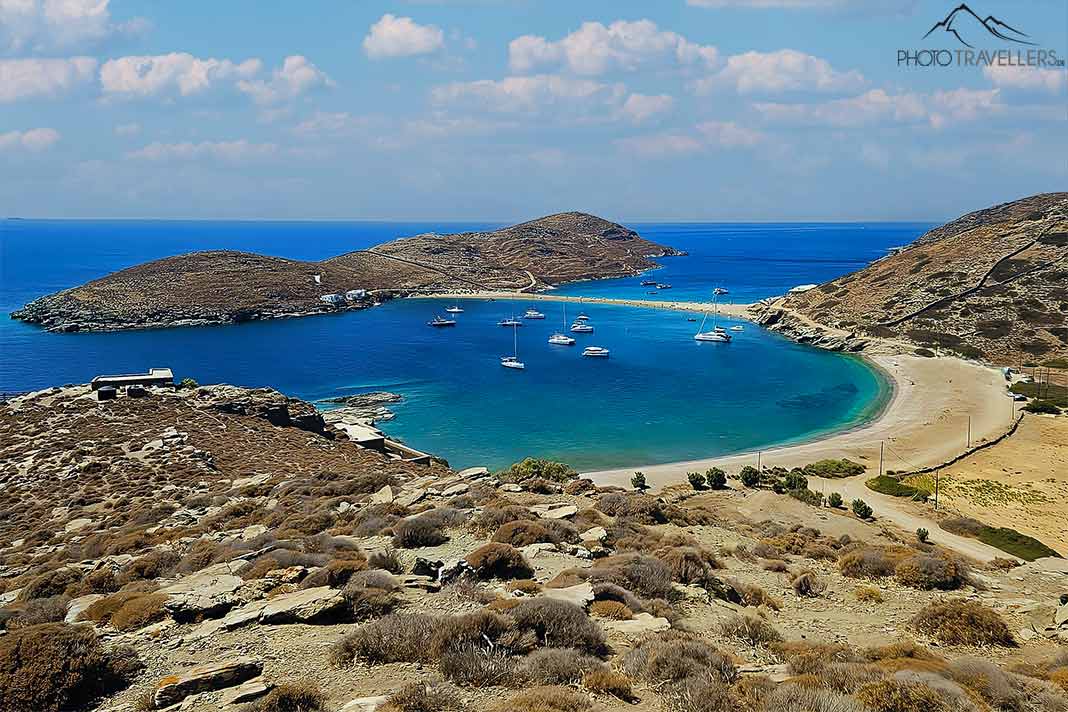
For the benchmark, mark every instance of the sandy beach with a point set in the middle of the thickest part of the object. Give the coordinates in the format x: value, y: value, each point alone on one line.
x: 738, y: 311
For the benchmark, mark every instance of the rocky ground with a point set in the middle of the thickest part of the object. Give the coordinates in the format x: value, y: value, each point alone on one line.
x: 219, y: 287
x: 990, y: 285
x: 246, y: 553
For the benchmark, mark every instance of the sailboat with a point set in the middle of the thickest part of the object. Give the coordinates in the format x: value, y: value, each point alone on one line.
x: 513, y: 360
x: 513, y: 322
x: 438, y: 322
x: 533, y: 313
x: 718, y: 333
x: 559, y: 338
x: 455, y: 309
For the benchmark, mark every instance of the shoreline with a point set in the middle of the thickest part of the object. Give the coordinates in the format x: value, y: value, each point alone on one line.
x: 923, y: 423
x: 738, y: 311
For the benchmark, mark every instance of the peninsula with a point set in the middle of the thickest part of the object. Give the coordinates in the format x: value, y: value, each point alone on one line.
x: 220, y: 287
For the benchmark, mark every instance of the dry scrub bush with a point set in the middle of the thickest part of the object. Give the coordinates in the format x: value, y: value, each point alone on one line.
x: 481, y: 628
x: 805, y: 658
x: 646, y: 576
x: 807, y: 585
x: 1004, y: 690
x: 336, y: 573
x: 496, y: 514
x: 753, y: 595
x: 931, y: 571
x: 689, y: 564
x: 868, y: 594
x: 418, y: 531
x: 371, y: 594
x: 478, y: 667
x: 52, y: 667
x: 51, y: 583
x: 148, y: 567
x: 603, y: 591
x: 699, y: 694
x: 202, y: 553
x: 640, y: 508
x: 560, y: 624
x: 37, y: 611
x: 399, y: 637
x: 423, y: 697
x: 603, y: 681
x: 557, y: 666
x: 870, y: 562
x: 528, y: 587
x: 545, y: 699
x: 613, y: 610
x: 387, y: 560
x: 127, y: 610
x: 961, y: 622
x: 672, y: 656
x: 817, y: 551
x: 790, y: 697
x: 777, y: 566
x: 1001, y: 563
x: 525, y: 532
x: 750, y: 629
x: 501, y: 561
x: 303, y: 696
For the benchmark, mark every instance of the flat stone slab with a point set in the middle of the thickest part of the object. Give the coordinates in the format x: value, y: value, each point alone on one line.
x: 510, y: 487
x: 409, y: 497
x: 474, y: 472
x: 304, y: 606
x: 209, y: 590
x: 364, y: 704
x: 246, y: 692
x: 456, y: 490
x: 641, y: 623
x: 76, y: 607
x: 554, y: 511
x: 203, y: 678
x: 383, y: 496
x: 579, y: 594
x: 595, y: 534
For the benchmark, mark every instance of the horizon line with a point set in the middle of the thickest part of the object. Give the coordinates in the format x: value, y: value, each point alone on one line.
x: 505, y: 221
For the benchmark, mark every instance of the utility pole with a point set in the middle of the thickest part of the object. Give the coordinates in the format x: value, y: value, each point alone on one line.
x: 936, y: 490
x: 882, y: 444
x: 758, y: 462
x: 969, y: 432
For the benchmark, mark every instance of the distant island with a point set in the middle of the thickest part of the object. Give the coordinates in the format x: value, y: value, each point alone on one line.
x: 991, y: 285
x: 220, y: 287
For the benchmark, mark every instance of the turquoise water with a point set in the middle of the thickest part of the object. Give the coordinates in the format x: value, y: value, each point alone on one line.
x: 660, y: 397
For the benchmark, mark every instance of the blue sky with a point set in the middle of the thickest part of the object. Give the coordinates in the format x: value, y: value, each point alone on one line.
x: 508, y: 109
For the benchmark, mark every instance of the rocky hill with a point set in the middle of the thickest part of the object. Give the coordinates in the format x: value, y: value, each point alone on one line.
x: 226, y: 287
x: 203, y: 548
x: 991, y: 285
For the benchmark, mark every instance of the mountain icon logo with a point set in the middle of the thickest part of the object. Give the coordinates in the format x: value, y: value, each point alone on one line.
x: 962, y: 21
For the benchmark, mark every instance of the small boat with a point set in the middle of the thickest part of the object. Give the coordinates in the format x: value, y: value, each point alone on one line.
x: 581, y: 327
x: 455, y: 310
x: 652, y: 292
x: 533, y: 313
x: 582, y: 317
x: 560, y: 338
x: 513, y: 360
x: 440, y: 322
x: 720, y: 290
x: 595, y: 352
x: 510, y: 322
x: 692, y: 318
x: 663, y: 286
x: 737, y: 327
x: 649, y: 283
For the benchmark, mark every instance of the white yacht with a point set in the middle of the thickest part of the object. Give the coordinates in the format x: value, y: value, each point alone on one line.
x: 581, y: 327
x: 559, y: 338
x: 582, y: 317
x: 737, y: 327
x: 595, y: 352
x: 720, y: 290
x: 533, y: 313
x: 440, y: 322
x: 454, y: 309
x: 513, y: 360
x: 510, y: 322
x: 718, y: 333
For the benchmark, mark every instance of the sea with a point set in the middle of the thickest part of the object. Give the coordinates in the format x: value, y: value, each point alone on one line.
x: 660, y: 397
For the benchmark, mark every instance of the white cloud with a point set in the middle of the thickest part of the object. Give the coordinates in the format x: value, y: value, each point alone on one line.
x: 35, y: 78
x: 530, y: 94
x: 296, y: 76
x: 1032, y: 78
x: 130, y: 129
x: 58, y: 25
x: 897, y: 7
x: 878, y: 106
x: 728, y: 134
x: 782, y: 71
x: 641, y: 107
x: 661, y: 145
x: 229, y: 151
x: 330, y: 124
x: 870, y: 107
x: 707, y: 135
x: 596, y: 49
x: 394, y: 36
x: 31, y: 140
x: 166, y: 74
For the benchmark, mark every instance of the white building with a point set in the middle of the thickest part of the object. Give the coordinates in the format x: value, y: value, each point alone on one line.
x: 356, y: 294
x: 332, y: 299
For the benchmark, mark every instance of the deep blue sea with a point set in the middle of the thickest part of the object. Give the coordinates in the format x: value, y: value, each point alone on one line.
x: 660, y: 397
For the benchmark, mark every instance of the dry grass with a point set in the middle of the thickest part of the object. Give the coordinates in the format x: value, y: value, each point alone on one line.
x: 751, y: 630
x: 417, y: 532
x: 545, y: 699
x: 387, y: 560
x: 613, y: 610
x: 302, y: 696
x: 870, y: 562
x: 127, y: 610
x: 52, y: 667
x: 501, y: 561
x: 961, y: 622
x: 557, y: 666
x: 868, y: 594
x: 673, y: 656
x: 399, y: 637
x: 423, y: 697
x: 807, y: 585
x: 931, y: 571
x: 603, y: 681
x: 560, y: 624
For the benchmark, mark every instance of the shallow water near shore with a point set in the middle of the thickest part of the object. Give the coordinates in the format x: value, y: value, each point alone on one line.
x: 661, y: 396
